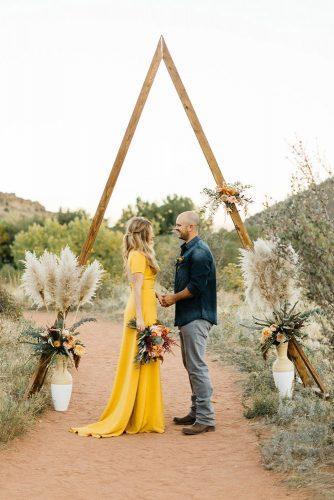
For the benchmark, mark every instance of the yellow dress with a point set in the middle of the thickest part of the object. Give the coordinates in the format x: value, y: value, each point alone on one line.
x: 135, y: 404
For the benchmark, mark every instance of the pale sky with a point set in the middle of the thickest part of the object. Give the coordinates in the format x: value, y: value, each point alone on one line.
x: 258, y: 72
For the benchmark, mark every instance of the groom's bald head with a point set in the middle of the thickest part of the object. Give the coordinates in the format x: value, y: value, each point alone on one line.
x: 186, y: 226
x: 190, y: 217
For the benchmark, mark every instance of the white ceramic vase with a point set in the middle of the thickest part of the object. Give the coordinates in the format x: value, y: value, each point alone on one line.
x: 61, y: 384
x: 283, y: 371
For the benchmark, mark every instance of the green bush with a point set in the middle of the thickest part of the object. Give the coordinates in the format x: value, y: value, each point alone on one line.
x: 231, y: 278
x: 53, y: 236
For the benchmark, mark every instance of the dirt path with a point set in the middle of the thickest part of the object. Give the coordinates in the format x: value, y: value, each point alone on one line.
x: 51, y: 463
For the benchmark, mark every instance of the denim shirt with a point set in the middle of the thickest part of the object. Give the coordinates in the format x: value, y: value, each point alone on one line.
x: 196, y: 270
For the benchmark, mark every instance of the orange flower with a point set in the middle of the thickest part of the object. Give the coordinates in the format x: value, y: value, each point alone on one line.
x: 266, y: 333
x: 229, y: 190
x: 79, y: 350
x: 56, y: 343
x: 280, y: 337
x: 70, y: 342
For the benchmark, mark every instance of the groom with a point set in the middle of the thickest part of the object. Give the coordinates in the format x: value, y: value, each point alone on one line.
x: 195, y: 300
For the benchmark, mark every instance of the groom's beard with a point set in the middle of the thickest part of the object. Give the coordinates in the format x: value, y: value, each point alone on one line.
x: 183, y: 235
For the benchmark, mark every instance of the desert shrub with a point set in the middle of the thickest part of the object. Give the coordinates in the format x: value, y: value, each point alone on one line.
x: 231, y: 278
x: 16, y: 367
x: 9, y: 307
x: 167, y: 249
x: 263, y: 405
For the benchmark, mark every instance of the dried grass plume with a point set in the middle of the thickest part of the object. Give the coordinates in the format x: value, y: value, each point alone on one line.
x: 60, y: 282
x: 269, y: 277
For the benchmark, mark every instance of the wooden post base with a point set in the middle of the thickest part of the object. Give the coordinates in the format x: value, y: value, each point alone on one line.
x: 38, y: 378
x: 304, y: 367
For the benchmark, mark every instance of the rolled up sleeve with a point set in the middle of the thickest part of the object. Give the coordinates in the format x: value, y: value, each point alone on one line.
x: 199, y: 272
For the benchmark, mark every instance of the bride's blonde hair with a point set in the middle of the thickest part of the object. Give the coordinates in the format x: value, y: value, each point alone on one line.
x: 137, y: 237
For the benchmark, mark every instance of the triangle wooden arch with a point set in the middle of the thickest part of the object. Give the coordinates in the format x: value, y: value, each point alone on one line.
x: 161, y: 53
x: 303, y: 365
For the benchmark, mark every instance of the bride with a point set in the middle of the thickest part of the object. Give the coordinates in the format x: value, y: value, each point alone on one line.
x: 135, y: 404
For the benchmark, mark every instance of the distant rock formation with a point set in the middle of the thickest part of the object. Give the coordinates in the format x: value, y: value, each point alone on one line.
x: 13, y: 208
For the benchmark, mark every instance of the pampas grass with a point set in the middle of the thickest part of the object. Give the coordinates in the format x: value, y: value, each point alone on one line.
x: 60, y: 282
x: 269, y: 277
x: 33, y: 279
x: 49, y: 262
x: 67, y: 280
x: 89, y: 282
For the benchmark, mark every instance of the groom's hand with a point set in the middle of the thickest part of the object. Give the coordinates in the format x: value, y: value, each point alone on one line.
x: 168, y: 300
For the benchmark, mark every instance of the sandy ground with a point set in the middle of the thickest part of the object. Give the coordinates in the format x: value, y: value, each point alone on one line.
x: 51, y: 463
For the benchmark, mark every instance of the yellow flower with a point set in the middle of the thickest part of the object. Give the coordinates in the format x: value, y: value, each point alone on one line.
x: 56, y: 343
x: 79, y: 350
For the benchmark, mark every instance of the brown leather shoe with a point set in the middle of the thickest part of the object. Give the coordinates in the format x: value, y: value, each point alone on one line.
x: 198, y: 429
x: 187, y: 420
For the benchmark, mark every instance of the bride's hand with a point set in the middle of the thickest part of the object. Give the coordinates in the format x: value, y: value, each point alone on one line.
x: 159, y: 297
x: 140, y: 325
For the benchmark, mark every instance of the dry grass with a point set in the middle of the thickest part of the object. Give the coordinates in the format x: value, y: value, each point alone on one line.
x: 16, y: 367
x: 297, y: 436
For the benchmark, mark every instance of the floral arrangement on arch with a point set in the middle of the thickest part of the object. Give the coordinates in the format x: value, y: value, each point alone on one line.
x: 270, y: 278
x: 60, y: 284
x: 284, y: 324
x: 56, y: 340
x: 228, y: 195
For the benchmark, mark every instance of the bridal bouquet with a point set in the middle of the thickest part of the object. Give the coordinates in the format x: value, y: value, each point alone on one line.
x: 153, y: 342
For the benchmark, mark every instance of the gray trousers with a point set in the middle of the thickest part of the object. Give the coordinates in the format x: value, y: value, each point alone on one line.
x: 193, y: 338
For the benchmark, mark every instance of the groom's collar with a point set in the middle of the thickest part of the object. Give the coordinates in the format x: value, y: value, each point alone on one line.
x: 190, y: 243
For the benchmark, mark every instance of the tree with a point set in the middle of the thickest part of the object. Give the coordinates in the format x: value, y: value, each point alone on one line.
x: 66, y: 216
x: 162, y: 216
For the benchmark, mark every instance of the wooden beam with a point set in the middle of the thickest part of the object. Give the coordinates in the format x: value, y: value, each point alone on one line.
x: 123, y: 149
x: 203, y: 142
x: 301, y: 368
x: 37, y: 379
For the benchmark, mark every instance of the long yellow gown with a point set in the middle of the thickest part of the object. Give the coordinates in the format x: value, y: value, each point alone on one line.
x: 135, y: 404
